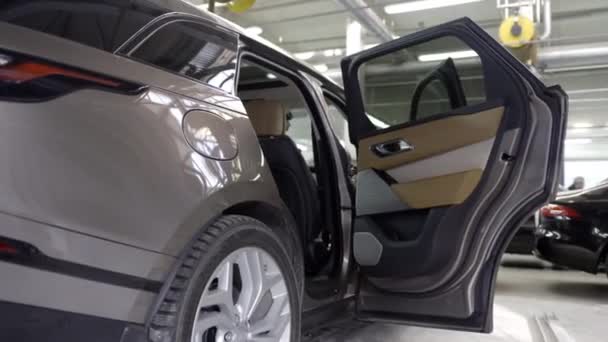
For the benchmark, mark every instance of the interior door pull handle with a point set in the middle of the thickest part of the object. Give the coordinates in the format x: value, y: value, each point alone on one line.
x: 392, y: 147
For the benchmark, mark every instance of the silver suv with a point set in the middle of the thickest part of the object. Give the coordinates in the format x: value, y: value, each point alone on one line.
x: 166, y: 177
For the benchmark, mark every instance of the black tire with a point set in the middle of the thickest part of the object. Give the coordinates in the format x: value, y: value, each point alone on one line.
x: 174, y: 318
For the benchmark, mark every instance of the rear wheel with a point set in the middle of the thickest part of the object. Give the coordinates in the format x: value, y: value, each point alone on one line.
x: 245, y: 299
x: 241, y: 287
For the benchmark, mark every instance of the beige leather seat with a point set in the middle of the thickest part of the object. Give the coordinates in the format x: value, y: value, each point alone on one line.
x: 268, y: 117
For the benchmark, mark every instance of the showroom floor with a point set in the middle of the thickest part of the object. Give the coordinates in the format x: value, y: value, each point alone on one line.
x: 533, y: 303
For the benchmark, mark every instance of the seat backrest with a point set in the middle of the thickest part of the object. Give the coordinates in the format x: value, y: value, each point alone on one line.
x: 268, y: 117
x: 289, y: 169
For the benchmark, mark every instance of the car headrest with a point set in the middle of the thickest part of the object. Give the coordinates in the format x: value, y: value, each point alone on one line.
x: 268, y: 117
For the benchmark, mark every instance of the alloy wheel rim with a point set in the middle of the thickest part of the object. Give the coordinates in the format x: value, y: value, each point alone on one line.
x: 246, y: 299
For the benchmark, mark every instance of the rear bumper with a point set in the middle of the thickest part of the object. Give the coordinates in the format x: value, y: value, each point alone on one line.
x: 572, y: 243
x: 30, y: 323
x: 566, y: 254
x: 56, y: 291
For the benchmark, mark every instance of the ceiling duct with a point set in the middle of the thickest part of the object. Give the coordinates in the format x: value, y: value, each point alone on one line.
x: 368, y: 18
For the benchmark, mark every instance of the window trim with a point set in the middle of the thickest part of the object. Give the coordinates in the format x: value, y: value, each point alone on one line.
x: 140, y: 37
x: 332, y: 99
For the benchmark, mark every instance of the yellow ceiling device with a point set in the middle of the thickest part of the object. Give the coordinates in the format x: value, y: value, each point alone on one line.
x: 240, y: 6
x: 516, y: 31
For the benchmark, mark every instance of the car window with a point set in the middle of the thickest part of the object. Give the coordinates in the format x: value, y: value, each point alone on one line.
x: 419, y: 82
x: 192, y: 50
x: 299, y: 129
x: 102, y: 24
x: 339, y: 124
x: 432, y: 100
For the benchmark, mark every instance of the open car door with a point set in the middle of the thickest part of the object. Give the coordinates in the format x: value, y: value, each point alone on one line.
x: 439, y: 195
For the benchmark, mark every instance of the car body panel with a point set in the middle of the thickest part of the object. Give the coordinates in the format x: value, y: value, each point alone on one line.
x: 63, y: 244
x: 106, y: 187
x: 123, y: 152
x: 55, y: 49
x: 40, y: 288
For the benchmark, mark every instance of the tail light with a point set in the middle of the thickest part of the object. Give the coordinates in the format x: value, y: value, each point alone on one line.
x: 15, y: 248
x: 557, y: 210
x: 25, y: 78
x: 7, y: 248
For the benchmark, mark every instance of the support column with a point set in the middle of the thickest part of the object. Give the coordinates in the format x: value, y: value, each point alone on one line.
x: 354, y: 38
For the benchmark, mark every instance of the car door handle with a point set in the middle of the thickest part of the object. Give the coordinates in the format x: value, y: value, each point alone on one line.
x: 392, y: 147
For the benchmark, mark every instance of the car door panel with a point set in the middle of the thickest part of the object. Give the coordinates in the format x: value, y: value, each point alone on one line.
x: 465, y: 129
x: 434, y: 213
x: 467, y: 158
x: 438, y: 191
x: 417, y: 182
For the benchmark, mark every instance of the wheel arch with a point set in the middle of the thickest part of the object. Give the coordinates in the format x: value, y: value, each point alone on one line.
x: 276, y: 218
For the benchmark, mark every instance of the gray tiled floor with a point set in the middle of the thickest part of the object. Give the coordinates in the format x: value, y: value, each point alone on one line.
x: 533, y: 303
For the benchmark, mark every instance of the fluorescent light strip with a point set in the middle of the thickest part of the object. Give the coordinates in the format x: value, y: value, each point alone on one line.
x: 582, y: 125
x: 574, y: 69
x: 432, y: 57
x: 321, y: 68
x: 254, y: 30
x: 304, y: 55
x: 414, y: 6
x: 582, y: 141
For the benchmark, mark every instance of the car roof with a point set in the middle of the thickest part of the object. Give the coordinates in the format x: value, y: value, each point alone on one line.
x: 185, y: 7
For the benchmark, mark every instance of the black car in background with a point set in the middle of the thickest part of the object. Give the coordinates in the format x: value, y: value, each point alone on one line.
x: 573, y: 229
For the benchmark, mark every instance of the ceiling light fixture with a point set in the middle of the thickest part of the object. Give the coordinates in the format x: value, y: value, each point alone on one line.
x: 254, y: 30
x: 205, y: 6
x: 304, y: 56
x: 582, y: 141
x: 328, y: 53
x: 333, y: 73
x: 321, y: 67
x: 332, y: 52
x: 582, y: 125
x: 421, y: 5
x: 433, y: 57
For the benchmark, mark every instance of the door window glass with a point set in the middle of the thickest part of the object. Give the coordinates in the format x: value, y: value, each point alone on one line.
x: 299, y: 129
x: 339, y: 124
x: 194, y: 51
x: 421, y: 81
x: 434, y: 99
